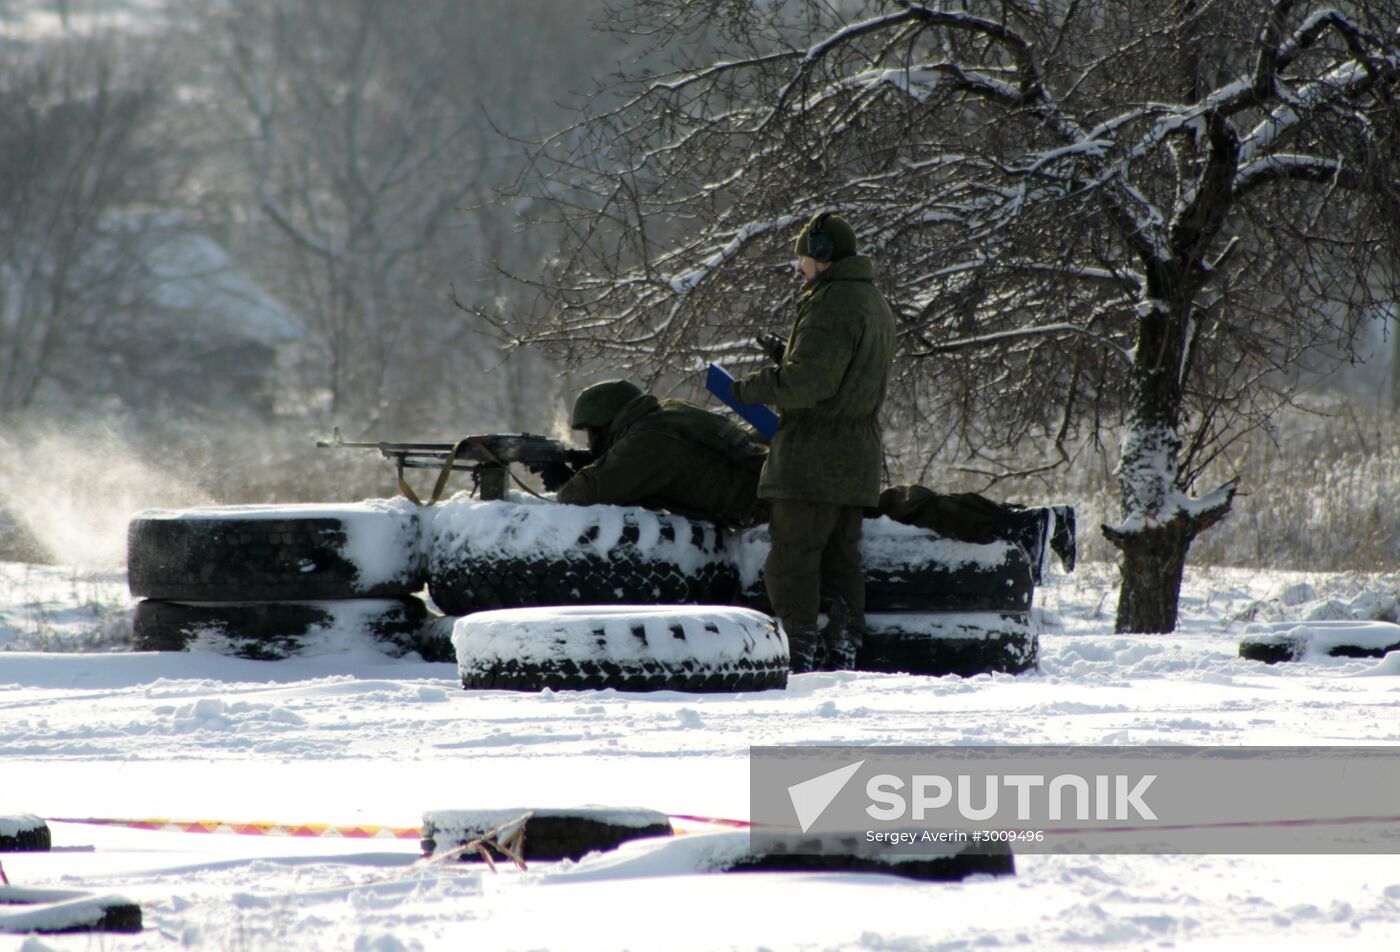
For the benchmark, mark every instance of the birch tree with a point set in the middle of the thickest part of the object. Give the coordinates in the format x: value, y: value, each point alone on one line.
x: 1131, y: 217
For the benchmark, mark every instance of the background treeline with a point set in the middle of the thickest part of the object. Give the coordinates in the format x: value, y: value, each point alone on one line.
x: 260, y: 210
x: 227, y: 227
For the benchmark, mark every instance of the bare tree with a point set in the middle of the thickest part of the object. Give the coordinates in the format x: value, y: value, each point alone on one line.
x: 358, y: 155
x: 1092, y: 217
x: 79, y: 146
x: 366, y: 136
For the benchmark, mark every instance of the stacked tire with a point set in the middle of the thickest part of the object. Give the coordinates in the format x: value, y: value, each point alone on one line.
x: 933, y: 606
x: 270, y: 582
x: 494, y: 555
x: 636, y: 601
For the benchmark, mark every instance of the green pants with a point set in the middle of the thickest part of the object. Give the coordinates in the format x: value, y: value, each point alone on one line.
x: 815, y: 560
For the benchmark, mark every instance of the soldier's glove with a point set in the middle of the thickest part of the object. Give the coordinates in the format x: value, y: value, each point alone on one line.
x: 773, y: 346
x: 554, y: 475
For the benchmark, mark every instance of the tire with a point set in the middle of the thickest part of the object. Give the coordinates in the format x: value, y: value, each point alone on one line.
x: 24, y: 833
x: 1272, y: 649
x: 850, y: 853
x: 1275, y: 642
x: 269, y: 631
x: 434, y: 641
x: 550, y: 835
x: 942, y: 643
x: 63, y: 912
x: 491, y: 555
x: 908, y: 569
x: 592, y: 647
x: 276, y: 553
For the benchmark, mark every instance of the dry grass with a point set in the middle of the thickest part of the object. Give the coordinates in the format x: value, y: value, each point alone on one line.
x: 1315, y: 496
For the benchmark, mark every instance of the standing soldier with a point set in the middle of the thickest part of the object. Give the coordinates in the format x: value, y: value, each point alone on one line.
x: 825, y: 461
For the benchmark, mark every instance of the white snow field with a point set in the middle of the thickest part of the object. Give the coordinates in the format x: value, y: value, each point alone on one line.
x: 89, y: 729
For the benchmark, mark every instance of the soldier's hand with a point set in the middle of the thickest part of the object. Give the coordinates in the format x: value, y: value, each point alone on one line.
x: 773, y: 346
x: 554, y: 475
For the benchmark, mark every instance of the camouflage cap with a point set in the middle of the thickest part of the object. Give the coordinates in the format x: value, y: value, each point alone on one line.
x: 600, y: 404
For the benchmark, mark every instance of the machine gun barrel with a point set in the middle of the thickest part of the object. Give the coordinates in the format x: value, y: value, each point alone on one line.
x: 486, y: 456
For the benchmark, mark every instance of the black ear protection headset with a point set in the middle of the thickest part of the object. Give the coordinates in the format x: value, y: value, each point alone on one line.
x: 819, y: 244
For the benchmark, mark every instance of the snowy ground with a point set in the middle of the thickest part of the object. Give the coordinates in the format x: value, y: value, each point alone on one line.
x: 90, y: 730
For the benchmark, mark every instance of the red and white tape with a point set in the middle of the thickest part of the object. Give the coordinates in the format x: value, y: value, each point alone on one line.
x: 253, y: 828
x: 325, y: 830
x: 683, y: 823
x: 370, y: 832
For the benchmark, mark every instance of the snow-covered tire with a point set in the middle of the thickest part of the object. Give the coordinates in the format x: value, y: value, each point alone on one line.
x: 770, y: 850
x: 269, y: 631
x: 1272, y: 648
x: 852, y: 853
x: 63, y: 911
x: 24, y: 833
x: 550, y: 834
x: 489, y: 555
x: 908, y: 569
x: 942, y: 643
x: 1275, y: 642
x: 435, y: 638
x: 276, y: 553
x: 594, y: 647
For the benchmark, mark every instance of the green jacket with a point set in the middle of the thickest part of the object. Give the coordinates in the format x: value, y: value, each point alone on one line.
x: 829, y: 390
x: 669, y: 454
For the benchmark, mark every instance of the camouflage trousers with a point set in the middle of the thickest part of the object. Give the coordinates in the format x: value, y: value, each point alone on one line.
x: 814, y: 565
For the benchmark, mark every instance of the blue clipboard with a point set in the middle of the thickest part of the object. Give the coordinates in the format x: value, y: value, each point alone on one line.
x: 762, y: 419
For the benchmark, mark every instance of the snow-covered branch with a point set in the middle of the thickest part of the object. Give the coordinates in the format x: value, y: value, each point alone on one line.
x: 1309, y: 168
x: 1371, y: 56
x: 683, y: 284
x: 1030, y: 81
x: 1001, y: 338
x: 1337, y: 85
x: 1128, y: 282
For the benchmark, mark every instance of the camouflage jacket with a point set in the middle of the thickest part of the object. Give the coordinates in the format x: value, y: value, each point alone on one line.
x: 829, y: 390
x: 669, y: 454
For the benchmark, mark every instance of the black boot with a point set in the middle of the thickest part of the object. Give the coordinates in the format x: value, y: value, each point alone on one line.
x: 842, y: 637
x: 841, y: 655
x: 804, y: 649
x: 1062, y: 540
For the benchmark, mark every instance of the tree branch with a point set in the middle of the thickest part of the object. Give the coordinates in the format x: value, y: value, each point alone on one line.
x: 1305, y: 168
x: 1043, y: 330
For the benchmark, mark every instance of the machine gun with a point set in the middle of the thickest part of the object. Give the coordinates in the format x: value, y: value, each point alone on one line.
x: 487, y: 458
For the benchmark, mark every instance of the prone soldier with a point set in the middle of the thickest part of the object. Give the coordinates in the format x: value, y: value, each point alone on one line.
x: 664, y: 454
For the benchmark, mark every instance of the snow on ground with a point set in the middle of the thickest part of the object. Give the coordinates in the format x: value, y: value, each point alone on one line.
x: 88, y: 729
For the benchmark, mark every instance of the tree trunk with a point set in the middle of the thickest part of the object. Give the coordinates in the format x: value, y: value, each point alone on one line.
x: 1151, y: 568
x: 1159, y: 519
